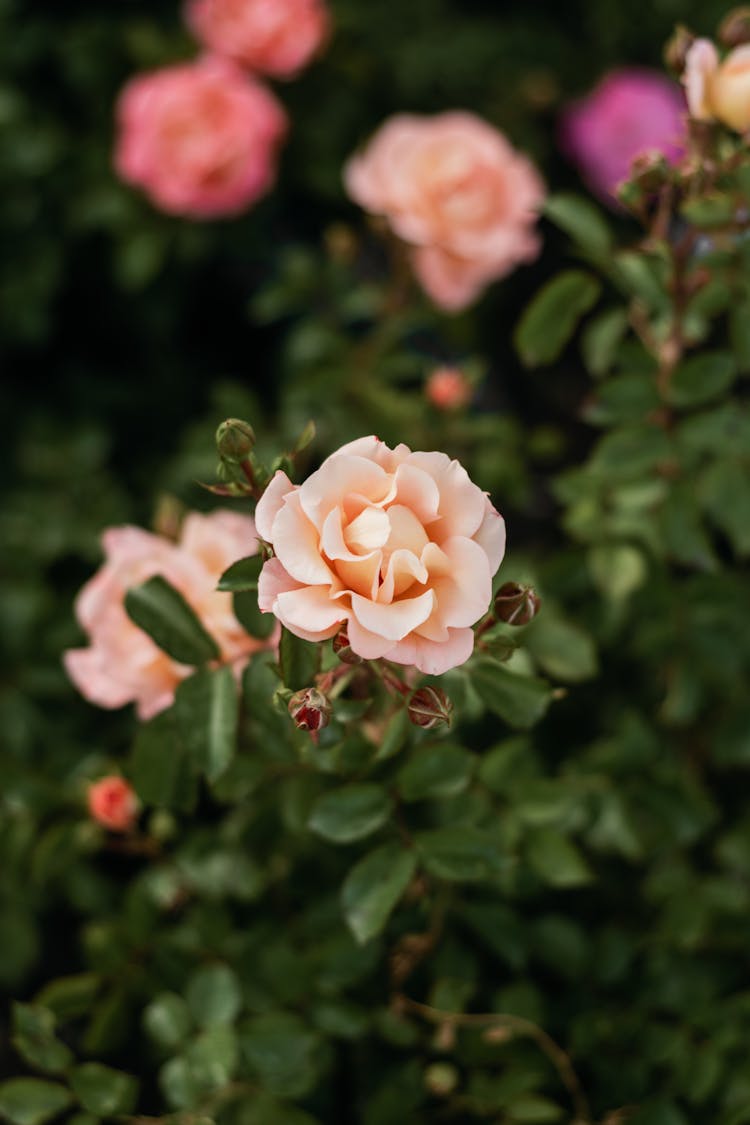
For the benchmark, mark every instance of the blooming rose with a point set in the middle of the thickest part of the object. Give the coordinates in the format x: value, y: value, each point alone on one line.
x: 113, y: 804
x: 277, y: 37
x: 447, y: 388
x: 630, y: 112
x: 716, y: 89
x: 401, y: 546
x: 452, y: 188
x: 201, y: 138
x: 122, y: 663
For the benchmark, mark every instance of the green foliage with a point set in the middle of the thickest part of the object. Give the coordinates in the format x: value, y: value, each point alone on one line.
x: 162, y: 612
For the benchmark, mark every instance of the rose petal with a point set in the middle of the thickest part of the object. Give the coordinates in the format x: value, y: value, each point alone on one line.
x: 274, y: 580
x: 435, y: 658
x: 310, y: 609
x: 339, y: 476
x: 418, y: 491
x: 297, y: 544
x: 464, y: 594
x: 270, y: 504
x: 404, y: 568
x: 370, y: 646
x: 491, y: 536
x: 462, y: 503
x: 396, y: 620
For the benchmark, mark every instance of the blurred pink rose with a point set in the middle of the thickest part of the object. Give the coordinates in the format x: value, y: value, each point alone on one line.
x: 452, y: 188
x: 447, y: 388
x: 122, y: 664
x: 113, y: 804
x: 718, y: 89
x: 200, y: 138
x: 401, y: 546
x: 630, y: 112
x: 276, y: 37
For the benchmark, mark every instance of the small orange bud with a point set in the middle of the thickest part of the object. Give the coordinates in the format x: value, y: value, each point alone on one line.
x: 447, y: 388
x: 113, y: 803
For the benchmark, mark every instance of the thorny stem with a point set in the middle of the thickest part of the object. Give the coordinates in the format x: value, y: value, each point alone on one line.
x: 517, y: 1025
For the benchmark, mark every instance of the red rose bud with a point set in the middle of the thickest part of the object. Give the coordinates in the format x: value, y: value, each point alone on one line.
x: 234, y: 440
x: 516, y: 604
x: 310, y: 709
x: 430, y: 707
x: 343, y: 649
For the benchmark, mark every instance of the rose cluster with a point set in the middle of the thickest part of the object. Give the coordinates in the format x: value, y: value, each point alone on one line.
x: 201, y: 138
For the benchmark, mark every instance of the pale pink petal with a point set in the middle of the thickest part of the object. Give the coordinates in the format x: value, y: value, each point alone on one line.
x: 464, y: 594
x: 270, y: 504
x: 435, y: 658
x: 396, y: 620
x: 369, y: 530
x: 462, y: 503
x: 491, y: 536
x: 274, y: 580
x: 296, y: 544
x: 310, y: 609
x: 370, y: 646
x: 418, y: 491
x: 361, y: 576
x: 93, y: 678
x: 406, y: 531
x: 701, y: 63
x: 218, y: 539
x: 339, y: 476
x: 404, y: 568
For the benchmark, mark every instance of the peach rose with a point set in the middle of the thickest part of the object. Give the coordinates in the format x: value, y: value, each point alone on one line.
x: 717, y: 89
x: 122, y: 664
x: 113, y: 804
x: 401, y: 546
x: 276, y: 37
x: 452, y: 188
x: 201, y: 138
x: 447, y: 388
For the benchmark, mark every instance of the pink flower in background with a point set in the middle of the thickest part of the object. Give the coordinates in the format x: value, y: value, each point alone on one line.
x: 200, y: 138
x: 113, y: 804
x: 400, y: 546
x: 276, y: 37
x: 447, y: 388
x: 122, y: 664
x: 630, y: 112
x: 454, y: 189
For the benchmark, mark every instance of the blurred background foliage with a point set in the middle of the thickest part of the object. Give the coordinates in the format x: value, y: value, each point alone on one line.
x: 126, y: 336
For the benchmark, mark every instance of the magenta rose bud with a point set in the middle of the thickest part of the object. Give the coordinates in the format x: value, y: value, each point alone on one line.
x: 455, y: 191
x: 630, y: 112
x: 430, y: 707
x: 310, y: 709
x: 200, y: 138
x: 113, y: 804
x: 516, y: 604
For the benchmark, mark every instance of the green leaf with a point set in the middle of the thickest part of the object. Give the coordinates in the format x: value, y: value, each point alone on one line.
x: 550, y: 320
x: 533, y: 1108
x: 441, y: 770
x: 565, y: 651
x: 556, y: 859
x: 725, y: 495
x: 162, y: 612
x: 685, y: 537
x: 299, y: 661
x: 373, y: 887
x: 69, y: 997
x: 32, y: 1101
x: 34, y: 1039
x: 461, y: 855
x: 207, y: 710
x: 701, y: 378
x: 601, y: 338
x: 213, y: 995
x: 100, y: 1089
x: 280, y: 1049
x: 710, y: 210
x: 242, y: 576
x: 253, y: 621
x: 161, y: 770
x: 212, y: 1057
x: 584, y: 222
x: 617, y: 569
x: 167, y: 1019
x: 350, y: 813
x: 521, y: 701
x: 631, y: 451
x: 739, y: 332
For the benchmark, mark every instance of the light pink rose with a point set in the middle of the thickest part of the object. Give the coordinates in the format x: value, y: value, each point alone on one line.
x: 631, y: 112
x: 122, y: 664
x: 401, y: 546
x: 276, y: 37
x: 113, y: 804
x: 452, y: 188
x: 447, y: 388
x: 201, y: 138
x: 718, y: 89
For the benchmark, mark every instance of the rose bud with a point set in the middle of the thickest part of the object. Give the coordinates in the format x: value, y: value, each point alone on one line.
x: 310, y: 709
x: 734, y: 29
x: 675, y: 52
x: 343, y: 649
x: 113, y: 804
x: 516, y: 604
x: 447, y: 388
x: 234, y: 440
x: 430, y: 707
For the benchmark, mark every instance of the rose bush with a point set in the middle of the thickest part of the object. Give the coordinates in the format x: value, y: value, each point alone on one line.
x: 200, y: 138
x: 122, y: 664
x: 275, y: 37
x: 457, y: 193
x: 400, y: 546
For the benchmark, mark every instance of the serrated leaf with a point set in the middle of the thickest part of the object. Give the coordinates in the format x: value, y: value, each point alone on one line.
x: 373, y: 887
x: 350, y: 813
x: 519, y: 700
x: 550, y: 320
x: 207, y: 710
x: 162, y: 612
